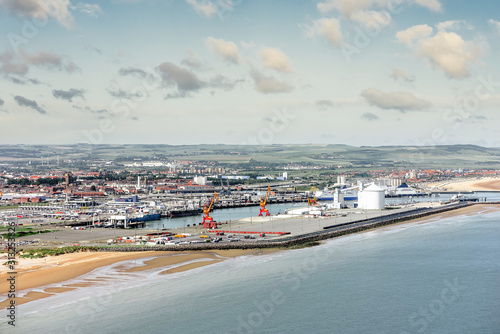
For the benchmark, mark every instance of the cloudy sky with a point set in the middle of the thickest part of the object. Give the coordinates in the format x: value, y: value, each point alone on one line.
x: 357, y: 72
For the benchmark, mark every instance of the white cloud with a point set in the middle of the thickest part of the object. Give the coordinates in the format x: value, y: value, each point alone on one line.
x: 445, y: 50
x: 433, y: 5
x: 227, y: 50
x: 400, y: 74
x: 192, y: 60
x: 401, y: 101
x: 19, y: 65
x: 349, y: 7
x: 204, y: 7
x: 11, y: 65
x: 247, y: 45
x: 275, y: 59
x: 269, y: 85
x: 372, y: 17
x: 495, y: 24
x: 360, y: 11
x: 413, y: 33
x: 126, y: 1
x: 90, y: 9
x: 373, y: 14
x: 453, y: 25
x: 42, y: 58
x: 57, y: 9
x: 328, y: 28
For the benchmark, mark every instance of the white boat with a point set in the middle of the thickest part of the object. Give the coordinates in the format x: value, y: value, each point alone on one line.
x: 463, y: 198
x: 402, y: 191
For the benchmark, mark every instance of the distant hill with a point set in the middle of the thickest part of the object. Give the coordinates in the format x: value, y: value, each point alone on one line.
x: 442, y: 156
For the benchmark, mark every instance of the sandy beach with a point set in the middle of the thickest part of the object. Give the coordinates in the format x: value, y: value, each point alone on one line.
x: 491, y: 184
x: 37, y: 273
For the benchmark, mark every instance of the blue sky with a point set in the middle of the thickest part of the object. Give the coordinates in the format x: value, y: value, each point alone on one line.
x: 367, y: 72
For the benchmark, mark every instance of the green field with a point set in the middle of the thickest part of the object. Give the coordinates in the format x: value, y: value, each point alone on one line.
x: 401, y: 157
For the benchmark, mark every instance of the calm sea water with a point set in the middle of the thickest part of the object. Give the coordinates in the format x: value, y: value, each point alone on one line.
x: 437, y: 277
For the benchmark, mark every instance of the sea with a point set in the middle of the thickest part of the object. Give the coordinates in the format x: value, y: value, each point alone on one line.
x: 431, y: 276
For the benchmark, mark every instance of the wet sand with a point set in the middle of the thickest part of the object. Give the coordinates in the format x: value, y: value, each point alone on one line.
x: 33, y: 273
x: 36, y: 273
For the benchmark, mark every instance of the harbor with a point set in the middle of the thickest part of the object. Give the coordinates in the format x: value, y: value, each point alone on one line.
x: 242, y: 227
x: 217, y: 216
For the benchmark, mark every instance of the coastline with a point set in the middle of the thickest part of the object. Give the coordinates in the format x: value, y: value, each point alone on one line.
x: 42, y: 274
x: 494, y: 184
x: 35, y: 274
x: 487, y: 184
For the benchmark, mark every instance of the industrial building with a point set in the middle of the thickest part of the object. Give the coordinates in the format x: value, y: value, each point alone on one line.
x: 371, y: 198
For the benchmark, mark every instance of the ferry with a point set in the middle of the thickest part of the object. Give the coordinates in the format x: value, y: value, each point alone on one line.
x: 403, y: 191
x: 145, y: 214
x: 463, y: 198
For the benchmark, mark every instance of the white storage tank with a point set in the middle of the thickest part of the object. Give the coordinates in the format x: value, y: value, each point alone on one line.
x: 338, y: 197
x: 371, y: 198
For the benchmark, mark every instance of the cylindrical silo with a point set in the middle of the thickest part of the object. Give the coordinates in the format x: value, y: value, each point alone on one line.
x: 372, y: 198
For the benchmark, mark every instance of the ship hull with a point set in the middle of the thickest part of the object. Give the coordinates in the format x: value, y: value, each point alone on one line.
x: 184, y: 213
x: 145, y: 218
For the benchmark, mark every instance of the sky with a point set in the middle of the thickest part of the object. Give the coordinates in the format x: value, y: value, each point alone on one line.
x: 259, y: 72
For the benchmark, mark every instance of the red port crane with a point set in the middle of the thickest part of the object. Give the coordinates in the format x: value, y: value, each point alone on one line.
x: 312, y: 201
x: 66, y: 178
x: 263, y: 202
x: 208, y: 222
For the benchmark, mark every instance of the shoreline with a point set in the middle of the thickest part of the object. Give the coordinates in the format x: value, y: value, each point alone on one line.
x: 486, y: 184
x: 493, y: 184
x: 41, y: 274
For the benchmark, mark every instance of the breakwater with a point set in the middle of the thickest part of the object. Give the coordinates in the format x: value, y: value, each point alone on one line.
x: 298, y: 240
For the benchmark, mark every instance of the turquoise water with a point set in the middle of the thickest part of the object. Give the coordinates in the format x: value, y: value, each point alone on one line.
x: 437, y: 277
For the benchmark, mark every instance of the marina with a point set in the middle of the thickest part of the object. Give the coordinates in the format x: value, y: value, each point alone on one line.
x: 287, y: 221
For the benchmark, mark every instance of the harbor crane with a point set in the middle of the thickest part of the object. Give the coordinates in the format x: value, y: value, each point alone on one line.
x: 225, y: 191
x: 312, y: 201
x: 66, y: 191
x: 263, y: 202
x: 208, y: 222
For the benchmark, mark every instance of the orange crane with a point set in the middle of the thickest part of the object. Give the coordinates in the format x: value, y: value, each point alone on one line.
x: 312, y: 201
x: 263, y: 202
x: 208, y: 222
